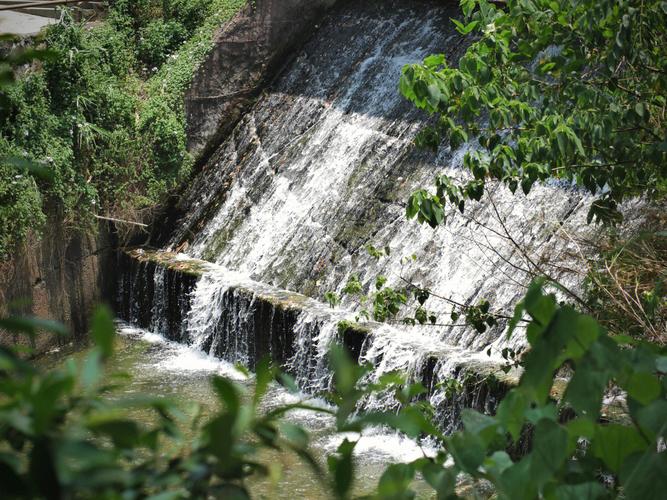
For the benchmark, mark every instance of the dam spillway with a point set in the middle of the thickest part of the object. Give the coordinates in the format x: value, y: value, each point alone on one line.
x: 315, y: 171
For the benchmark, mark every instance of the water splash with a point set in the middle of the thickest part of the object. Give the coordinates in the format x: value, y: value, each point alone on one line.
x: 177, y: 358
x: 378, y: 445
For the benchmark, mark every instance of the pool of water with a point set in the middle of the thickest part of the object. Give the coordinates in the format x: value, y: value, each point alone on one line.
x: 162, y: 368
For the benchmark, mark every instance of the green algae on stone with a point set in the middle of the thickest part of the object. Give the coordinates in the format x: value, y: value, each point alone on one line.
x: 192, y: 267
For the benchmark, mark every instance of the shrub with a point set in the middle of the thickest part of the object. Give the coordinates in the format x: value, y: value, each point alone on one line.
x: 627, y: 285
x: 165, y: 136
x: 570, y: 90
x: 157, y: 40
x: 114, y: 49
x: 190, y: 13
x: 111, y: 140
x: 20, y: 202
x: 68, y: 75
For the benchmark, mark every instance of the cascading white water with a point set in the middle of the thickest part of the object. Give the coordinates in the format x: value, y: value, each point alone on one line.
x: 321, y: 167
x: 324, y: 162
x: 226, y: 318
x: 222, y: 319
x: 313, y: 336
x: 205, y: 308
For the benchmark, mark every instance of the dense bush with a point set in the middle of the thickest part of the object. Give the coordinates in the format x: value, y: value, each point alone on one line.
x: 157, y: 40
x: 570, y: 90
x: 20, y: 202
x: 191, y: 13
x: 105, y: 113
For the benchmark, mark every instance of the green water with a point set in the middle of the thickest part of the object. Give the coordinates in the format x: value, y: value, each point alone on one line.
x: 162, y: 368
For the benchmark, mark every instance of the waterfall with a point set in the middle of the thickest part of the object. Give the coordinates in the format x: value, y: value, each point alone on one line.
x: 322, y: 166
x: 313, y: 337
x: 319, y: 168
x: 241, y: 320
x: 225, y: 314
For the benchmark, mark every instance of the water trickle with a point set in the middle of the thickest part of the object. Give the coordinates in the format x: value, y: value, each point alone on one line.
x: 205, y: 310
x: 313, y: 337
x: 159, y: 311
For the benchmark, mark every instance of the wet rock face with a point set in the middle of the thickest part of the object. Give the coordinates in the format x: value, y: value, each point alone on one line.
x: 249, y: 329
x: 153, y: 296
x: 59, y: 276
x: 247, y: 52
x: 324, y: 161
x: 328, y: 138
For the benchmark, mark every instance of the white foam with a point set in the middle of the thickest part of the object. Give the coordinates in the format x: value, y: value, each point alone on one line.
x: 178, y: 358
x: 379, y: 445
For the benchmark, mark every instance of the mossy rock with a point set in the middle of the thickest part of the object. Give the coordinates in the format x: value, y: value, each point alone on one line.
x: 170, y: 260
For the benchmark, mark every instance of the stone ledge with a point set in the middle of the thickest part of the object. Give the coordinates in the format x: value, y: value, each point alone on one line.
x: 352, y: 334
x: 482, y: 382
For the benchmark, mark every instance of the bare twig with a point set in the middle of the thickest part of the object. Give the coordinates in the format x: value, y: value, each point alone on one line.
x: 113, y: 219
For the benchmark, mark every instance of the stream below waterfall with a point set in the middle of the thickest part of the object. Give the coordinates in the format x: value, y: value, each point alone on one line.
x: 160, y: 367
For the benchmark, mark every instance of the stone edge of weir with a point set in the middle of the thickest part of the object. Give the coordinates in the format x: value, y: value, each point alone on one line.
x: 483, y: 383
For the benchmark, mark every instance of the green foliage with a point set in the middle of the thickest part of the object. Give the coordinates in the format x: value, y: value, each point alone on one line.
x: 378, y: 253
x: 60, y: 431
x: 450, y: 387
x: 157, y: 40
x: 407, y: 304
x: 479, y: 316
x: 332, y: 299
x: 573, y: 91
x: 627, y: 285
x: 353, y: 285
x: 568, y: 90
x: 63, y: 436
x: 165, y: 134
x: 386, y: 301
x: 558, y: 465
x: 172, y: 79
x: 20, y: 201
x: 20, y: 197
x: 193, y: 13
x: 110, y: 129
